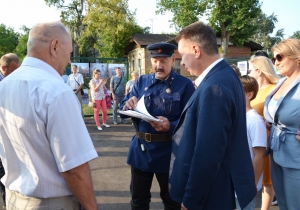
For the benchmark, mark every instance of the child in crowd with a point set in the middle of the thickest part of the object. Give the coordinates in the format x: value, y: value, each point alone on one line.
x: 256, y: 133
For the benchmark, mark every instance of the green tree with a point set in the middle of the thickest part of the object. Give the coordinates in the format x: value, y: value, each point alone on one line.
x: 296, y: 35
x: 263, y: 34
x: 232, y: 18
x: 8, y: 39
x: 21, y: 49
x: 110, y: 24
x: 72, y: 15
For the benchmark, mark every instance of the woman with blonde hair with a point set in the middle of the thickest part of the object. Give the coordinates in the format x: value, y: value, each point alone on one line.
x: 262, y: 69
x: 98, y: 89
x: 282, y: 110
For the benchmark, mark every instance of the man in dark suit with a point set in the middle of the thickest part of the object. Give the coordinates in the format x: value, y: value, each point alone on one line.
x: 210, y: 154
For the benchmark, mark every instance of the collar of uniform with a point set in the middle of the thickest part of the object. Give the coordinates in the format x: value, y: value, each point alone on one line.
x: 167, y: 80
x: 41, y: 66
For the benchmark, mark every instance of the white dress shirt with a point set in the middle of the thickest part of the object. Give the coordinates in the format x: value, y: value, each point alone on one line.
x: 205, y: 72
x: 72, y: 81
x: 41, y: 131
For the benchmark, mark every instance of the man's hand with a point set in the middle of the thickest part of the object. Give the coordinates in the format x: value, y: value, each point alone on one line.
x: 183, y: 207
x: 113, y: 96
x: 130, y: 103
x: 163, y: 126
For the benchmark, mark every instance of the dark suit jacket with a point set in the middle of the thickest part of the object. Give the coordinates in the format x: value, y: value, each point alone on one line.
x: 210, y: 154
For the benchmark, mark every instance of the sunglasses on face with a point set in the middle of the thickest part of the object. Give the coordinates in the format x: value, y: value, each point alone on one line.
x: 278, y: 57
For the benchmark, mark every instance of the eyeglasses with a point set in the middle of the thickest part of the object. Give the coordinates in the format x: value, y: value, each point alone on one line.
x: 278, y: 57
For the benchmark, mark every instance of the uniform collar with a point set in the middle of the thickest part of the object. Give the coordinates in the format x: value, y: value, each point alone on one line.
x: 167, y: 80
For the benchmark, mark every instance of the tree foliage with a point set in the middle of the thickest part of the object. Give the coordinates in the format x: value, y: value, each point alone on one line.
x: 232, y: 18
x: 110, y: 24
x: 72, y: 15
x: 296, y: 35
x: 263, y: 34
x: 98, y: 24
x: 21, y: 49
x: 8, y: 39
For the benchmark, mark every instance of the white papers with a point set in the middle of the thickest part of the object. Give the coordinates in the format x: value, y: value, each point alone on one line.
x: 140, y: 112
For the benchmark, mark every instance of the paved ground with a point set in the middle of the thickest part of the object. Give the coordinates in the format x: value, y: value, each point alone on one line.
x: 111, y: 174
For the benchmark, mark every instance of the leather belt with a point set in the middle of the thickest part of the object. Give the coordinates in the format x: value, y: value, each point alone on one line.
x: 153, y: 137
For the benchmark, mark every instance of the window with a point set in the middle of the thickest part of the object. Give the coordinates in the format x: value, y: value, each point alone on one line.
x: 132, y: 65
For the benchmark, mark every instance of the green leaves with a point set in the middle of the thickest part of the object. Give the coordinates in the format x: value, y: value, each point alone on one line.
x: 296, y: 35
x: 113, y: 24
x: 263, y: 34
x: 231, y: 18
x: 8, y: 39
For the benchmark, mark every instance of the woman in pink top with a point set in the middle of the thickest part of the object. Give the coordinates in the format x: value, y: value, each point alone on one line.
x: 98, y: 89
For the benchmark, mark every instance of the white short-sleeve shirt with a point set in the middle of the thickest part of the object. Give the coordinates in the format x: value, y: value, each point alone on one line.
x: 42, y: 132
x: 75, y: 81
x: 257, y: 135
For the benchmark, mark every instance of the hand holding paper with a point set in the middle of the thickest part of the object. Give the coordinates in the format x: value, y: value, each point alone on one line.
x: 140, y: 112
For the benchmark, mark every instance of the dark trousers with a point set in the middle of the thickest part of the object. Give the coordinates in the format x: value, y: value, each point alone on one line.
x: 140, y: 190
x: 3, y: 192
x: 2, y: 173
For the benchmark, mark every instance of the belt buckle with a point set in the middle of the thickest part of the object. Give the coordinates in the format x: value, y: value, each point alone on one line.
x: 148, y: 137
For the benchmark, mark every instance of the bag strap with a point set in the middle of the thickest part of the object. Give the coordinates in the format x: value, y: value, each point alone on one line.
x: 76, y: 80
x: 118, y: 84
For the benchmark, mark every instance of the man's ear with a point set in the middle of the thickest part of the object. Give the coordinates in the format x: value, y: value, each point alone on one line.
x: 196, y: 51
x: 2, y: 69
x: 54, y: 47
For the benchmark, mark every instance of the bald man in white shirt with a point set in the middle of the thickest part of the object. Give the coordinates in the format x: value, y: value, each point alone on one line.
x: 44, y: 153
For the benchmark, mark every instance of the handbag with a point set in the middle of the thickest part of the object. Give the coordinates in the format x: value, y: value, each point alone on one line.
x: 108, y: 100
x: 91, y: 104
x: 81, y: 90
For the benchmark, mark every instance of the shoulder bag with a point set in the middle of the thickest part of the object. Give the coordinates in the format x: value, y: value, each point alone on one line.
x: 81, y: 90
x: 118, y: 84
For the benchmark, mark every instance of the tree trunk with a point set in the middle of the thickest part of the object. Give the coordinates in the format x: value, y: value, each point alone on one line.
x: 224, y: 40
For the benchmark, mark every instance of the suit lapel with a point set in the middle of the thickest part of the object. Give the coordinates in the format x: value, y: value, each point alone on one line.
x: 297, y: 80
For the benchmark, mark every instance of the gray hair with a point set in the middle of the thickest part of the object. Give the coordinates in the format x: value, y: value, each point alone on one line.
x: 43, y: 33
x: 8, y: 58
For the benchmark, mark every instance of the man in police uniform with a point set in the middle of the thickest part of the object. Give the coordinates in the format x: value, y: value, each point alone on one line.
x: 166, y: 94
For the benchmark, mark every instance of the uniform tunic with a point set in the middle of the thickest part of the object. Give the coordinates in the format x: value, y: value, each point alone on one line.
x: 156, y: 157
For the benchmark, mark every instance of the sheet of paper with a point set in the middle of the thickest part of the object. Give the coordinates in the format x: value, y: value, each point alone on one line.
x: 139, y: 115
x: 140, y: 112
x: 140, y: 107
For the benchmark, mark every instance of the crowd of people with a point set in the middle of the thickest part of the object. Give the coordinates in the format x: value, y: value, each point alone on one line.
x: 216, y: 142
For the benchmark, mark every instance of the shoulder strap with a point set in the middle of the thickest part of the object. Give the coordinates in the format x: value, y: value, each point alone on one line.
x: 118, y: 84
x: 76, y: 80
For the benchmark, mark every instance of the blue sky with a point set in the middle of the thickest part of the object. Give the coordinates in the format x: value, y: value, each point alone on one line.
x: 15, y: 13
